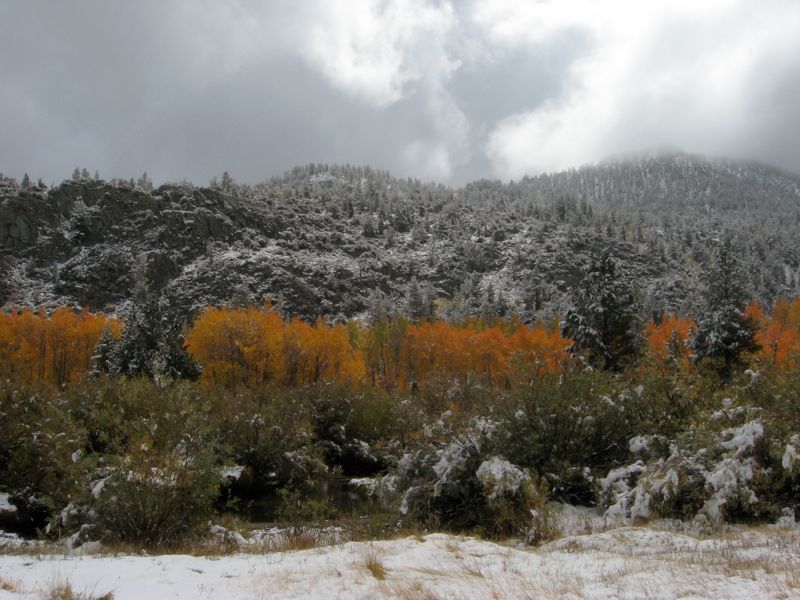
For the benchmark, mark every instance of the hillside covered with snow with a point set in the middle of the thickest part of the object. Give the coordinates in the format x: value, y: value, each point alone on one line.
x: 341, y: 241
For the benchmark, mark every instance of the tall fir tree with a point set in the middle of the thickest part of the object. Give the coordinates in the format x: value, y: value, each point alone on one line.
x: 604, y: 320
x: 724, y: 334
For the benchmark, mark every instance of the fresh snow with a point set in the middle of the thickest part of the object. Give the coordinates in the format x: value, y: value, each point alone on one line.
x: 501, y: 477
x: 743, y: 438
x: 5, y: 504
x: 625, y: 563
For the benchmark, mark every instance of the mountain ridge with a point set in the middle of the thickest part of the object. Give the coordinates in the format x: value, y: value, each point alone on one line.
x: 342, y: 241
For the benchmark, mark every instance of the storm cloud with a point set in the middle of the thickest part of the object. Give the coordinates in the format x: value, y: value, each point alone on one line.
x: 449, y: 91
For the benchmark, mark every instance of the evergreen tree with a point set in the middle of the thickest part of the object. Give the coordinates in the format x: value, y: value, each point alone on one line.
x: 724, y: 333
x: 604, y: 319
x: 145, y: 183
x: 414, y: 301
x: 26, y: 182
x: 227, y: 182
x: 151, y: 345
x: 103, y: 353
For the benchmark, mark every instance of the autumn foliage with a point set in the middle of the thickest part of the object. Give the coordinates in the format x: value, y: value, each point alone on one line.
x: 666, y: 340
x: 257, y: 346
x: 55, y: 348
x: 778, y: 336
x: 254, y: 346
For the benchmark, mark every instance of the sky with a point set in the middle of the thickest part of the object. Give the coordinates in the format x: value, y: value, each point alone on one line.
x: 449, y: 91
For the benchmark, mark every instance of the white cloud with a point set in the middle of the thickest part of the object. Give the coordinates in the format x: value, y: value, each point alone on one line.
x: 382, y: 52
x: 377, y: 50
x: 657, y: 72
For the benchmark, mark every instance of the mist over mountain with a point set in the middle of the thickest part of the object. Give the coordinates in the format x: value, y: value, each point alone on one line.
x: 342, y: 241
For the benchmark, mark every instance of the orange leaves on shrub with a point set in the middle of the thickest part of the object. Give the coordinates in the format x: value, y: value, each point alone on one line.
x: 55, y: 348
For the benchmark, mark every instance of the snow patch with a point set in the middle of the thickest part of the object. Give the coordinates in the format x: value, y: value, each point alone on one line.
x: 501, y: 477
x: 5, y: 504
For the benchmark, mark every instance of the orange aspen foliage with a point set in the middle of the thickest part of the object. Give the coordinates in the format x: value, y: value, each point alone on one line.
x: 498, y: 356
x: 239, y: 346
x: 754, y: 311
x: 320, y: 353
x: 537, y: 350
x: 382, y: 348
x: 668, y: 338
x: 54, y: 349
x: 778, y: 336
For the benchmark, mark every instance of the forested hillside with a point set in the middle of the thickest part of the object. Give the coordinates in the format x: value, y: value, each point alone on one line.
x: 342, y: 241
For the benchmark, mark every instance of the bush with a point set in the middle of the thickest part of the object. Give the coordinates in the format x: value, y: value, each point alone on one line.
x: 351, y: 425
x: 40, y: 451
x: 734, y: 466
x: 269, y: 433
x: 157, y: 501
x: 454, y: 481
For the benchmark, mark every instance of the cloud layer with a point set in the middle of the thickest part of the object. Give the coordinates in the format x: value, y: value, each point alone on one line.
x: 451, y: 91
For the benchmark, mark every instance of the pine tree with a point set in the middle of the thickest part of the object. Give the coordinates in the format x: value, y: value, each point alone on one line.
x: 26, y: 182
x: 724, y: 333
x: 604, y: 320
x: 151, y: 345
x: 227, y: 182
x: 103, y: 353
x: 145, y: 183
x: 414, y: 302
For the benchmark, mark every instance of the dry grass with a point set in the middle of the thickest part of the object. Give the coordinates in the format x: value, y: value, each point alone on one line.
x: 64, y: 591
x: 472, y: 568
x: 373, y: 562
x: 412, y: 591
x: 7, y: 586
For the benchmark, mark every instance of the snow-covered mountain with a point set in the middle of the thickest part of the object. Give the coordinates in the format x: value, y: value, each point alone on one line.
x: 347, y: 241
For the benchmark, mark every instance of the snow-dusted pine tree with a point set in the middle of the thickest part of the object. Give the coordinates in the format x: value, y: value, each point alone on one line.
x: 151, y: 344
x: 604, y: 320
x: 102, y: 359
x: 724, y: 333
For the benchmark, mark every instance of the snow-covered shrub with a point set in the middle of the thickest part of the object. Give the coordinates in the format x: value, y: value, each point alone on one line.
x: 568, y: 430
x: 730, y: 474
x: 455, y: 481
x: 272, y: 438
x: 348, y: 425
x: 668, y: 487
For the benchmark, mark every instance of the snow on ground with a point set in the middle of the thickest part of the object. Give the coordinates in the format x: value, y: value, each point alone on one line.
x: 626, y: 562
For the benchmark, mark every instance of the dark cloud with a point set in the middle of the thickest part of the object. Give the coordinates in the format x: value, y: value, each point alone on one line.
x: 427, y: 88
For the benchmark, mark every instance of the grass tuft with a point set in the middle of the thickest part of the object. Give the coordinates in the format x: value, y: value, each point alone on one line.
x: 373, y: 563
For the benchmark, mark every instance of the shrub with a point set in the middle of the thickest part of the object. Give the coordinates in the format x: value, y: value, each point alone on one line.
x: 269, y: 433
x: 713, y: 473
x: 454, y: 481
x: 40, y: 447
x: 348, y: 425
x: 155, y: 500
